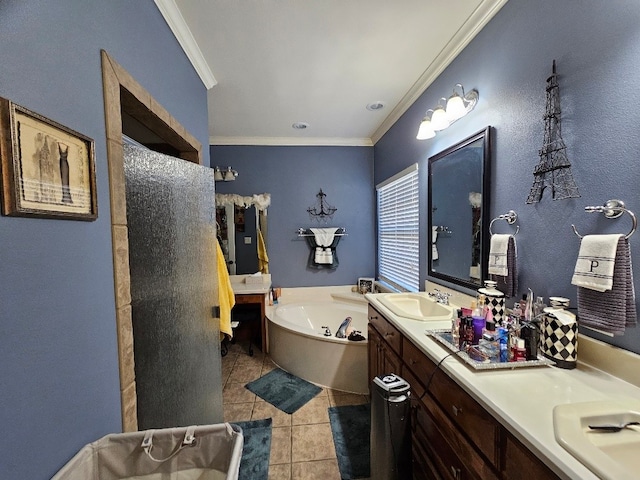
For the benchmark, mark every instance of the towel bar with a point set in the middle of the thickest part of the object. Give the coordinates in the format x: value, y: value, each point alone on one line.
x: 304, y: 232
x: 612, y: 209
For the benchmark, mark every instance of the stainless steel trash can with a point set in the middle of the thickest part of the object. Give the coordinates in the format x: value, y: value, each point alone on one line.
x: 390, y: 428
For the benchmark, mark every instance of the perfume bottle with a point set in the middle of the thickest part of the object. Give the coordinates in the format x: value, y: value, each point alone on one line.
x: 489, y: 344
x: 479, y: 323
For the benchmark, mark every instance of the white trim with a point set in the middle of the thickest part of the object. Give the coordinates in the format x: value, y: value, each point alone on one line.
x: 291, y: 141
x: 476, y: 22
x: 406, y: 171
x: 178, y: 26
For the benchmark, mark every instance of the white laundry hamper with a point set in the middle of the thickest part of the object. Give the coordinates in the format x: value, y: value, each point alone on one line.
x: 206, y: 452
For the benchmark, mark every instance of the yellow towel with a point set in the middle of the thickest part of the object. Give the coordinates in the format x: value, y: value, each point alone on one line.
x: 263, y: 258
x: 226, y: 297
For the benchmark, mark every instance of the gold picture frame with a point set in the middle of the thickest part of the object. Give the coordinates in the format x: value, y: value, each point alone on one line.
x: 48, y: 170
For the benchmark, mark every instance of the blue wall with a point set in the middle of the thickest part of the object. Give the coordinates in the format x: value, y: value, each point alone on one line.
x: 59, y: 386
x: 293, y: 176
x: 597, y: 48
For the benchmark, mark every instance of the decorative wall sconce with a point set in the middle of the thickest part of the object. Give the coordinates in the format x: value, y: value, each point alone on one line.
x: 323, y: 210
x: 224, y: 175
x: 441, y: 117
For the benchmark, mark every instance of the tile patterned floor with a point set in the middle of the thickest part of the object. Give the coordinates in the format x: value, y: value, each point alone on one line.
x: 301, y: 444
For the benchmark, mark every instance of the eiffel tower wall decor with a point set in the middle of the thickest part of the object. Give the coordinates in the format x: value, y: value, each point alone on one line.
x: 554, y: 168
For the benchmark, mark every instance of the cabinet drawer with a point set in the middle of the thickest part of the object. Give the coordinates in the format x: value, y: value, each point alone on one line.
x: 388, y: 332
x: 417, y: 361
x: 447, y: 451
x: 250, y: 298
x: 468, y: 415
x: 463, y: 410
x: 520, y: 462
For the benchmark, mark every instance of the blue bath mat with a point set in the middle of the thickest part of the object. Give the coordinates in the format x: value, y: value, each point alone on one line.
x: 351, y: 429
x: 254, y: 464
x: 283, y: 390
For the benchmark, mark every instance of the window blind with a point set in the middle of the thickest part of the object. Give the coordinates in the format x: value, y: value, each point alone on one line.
x: 398, y: 224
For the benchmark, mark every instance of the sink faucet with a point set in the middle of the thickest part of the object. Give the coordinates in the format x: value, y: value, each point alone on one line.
x: 441, y: 297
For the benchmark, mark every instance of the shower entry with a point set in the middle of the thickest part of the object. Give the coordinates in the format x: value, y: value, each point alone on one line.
x: 172, y: 231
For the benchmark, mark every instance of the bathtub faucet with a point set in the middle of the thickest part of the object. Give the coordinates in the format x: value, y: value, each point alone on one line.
x: 327, y: 332
x: 342, y: 330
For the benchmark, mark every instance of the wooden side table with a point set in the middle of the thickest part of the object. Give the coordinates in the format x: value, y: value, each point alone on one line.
x: 258, y: 299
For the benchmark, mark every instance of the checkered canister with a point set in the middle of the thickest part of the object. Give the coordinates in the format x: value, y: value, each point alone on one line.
x: 559, y: 342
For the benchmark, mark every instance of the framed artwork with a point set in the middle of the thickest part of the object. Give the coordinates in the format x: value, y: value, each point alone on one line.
x: 48, y: 170
x: 365, y: 285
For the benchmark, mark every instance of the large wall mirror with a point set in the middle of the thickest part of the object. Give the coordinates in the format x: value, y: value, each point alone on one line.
x: 238, y: 220
x: 459, y: 210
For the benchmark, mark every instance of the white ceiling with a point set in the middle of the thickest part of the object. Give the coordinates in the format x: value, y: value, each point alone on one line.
x: 270, y: 63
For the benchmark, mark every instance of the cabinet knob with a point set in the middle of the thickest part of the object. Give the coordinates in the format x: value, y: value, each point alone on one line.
x: 388, y: 334
x: 373, y: 318
x: 456, y: 410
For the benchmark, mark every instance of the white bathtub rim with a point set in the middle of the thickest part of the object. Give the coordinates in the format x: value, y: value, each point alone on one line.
x: 349, y: 306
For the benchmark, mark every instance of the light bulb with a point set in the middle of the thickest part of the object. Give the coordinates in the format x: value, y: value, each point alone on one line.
x: 439, y: 119
x: 426, y: 130
x: 455, y: 107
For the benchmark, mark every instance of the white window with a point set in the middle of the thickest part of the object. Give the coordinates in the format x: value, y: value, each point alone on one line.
x: 398, y: 236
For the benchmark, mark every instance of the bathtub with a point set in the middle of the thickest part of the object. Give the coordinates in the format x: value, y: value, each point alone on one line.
x: 298, y: 345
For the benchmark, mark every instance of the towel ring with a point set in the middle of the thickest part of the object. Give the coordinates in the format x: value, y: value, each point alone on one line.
x: 612, y: 209
x: 510, y: 217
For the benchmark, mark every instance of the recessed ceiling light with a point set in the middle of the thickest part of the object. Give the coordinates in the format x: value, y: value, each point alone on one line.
x: 375, y: 106
x: 300, y: 125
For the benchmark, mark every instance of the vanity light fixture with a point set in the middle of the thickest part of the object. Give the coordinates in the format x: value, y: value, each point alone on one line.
x: 457, y: 106
x: 224, y: 175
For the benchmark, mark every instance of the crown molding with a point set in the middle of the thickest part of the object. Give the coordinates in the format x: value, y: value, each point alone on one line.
x: 292, y: 141
x: 178, y: 26
x: 476, y: 22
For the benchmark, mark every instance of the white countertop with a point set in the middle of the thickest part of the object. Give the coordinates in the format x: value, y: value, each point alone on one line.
x: 521, y: 399
x: 240, y: 287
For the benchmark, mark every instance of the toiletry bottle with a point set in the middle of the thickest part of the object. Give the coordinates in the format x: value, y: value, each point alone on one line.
x: 538, y: 307
x: 523, y: 302
x: 517, y: 311
x: 519, y: 351
x: 466, y: 335
x: 529, y: 333
x: 503, y: 340
x: 455, y: 328
x: 489, y: 344
x: 477, y: 316
x: 528, y: 309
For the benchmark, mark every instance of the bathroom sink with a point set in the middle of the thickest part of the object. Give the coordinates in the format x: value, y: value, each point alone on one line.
x: 416, y: 306
x: 610, y: 455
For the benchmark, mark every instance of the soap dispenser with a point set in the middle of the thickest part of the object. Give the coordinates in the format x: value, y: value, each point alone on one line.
x: 494, y: 300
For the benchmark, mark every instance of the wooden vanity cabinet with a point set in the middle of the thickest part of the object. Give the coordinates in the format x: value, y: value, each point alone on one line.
x: 453, y: 436
x: 385, y: 344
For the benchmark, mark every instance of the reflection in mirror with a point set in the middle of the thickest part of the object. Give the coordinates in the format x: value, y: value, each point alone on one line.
x: 238, y: 220
x: 458, y: 211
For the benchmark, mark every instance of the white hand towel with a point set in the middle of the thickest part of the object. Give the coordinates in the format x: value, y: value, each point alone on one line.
x: 498, y: 255
x: 323, y: 256
x: 434, y: 238
x: 324, y: 236
x: 596, y: 260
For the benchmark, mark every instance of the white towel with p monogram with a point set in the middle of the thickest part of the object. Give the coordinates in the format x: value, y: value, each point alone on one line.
x: 596, y: 259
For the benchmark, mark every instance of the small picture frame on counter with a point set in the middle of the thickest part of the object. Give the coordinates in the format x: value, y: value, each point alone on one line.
x: 365, y: 285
